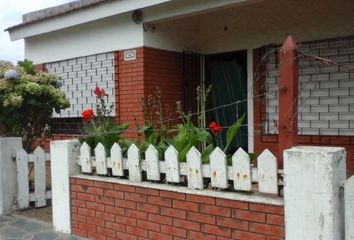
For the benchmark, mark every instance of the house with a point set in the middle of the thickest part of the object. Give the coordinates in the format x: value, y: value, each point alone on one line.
x: 129, y: 47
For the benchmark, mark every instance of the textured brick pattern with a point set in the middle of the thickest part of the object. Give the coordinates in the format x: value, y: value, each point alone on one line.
x: 139, y: 78
x: 102, y: 210
x: 326, y: 103
x: 81, y: 75
x: 263, y: 141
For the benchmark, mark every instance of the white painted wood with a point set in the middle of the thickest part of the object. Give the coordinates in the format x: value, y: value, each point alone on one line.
x: 22, y: 179
x: 134, y: 164
x: 250, y: 84
x: 172, y: 165
x: 218, y: 169
x: 85, y: 158
x: 242, y: 170
x: 194, y: 162
x: 101, y: 160
x: 31, y: 159
x: 39, y: 177
x: 349, y: 208
x: 117, y: 160
x: 313, y: 199
x: 152, y: 163
x: 63, y: 165
x: 32, y: 196
x: 267, y: 172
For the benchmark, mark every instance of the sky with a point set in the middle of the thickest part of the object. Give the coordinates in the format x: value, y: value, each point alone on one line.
x: 11, y: 12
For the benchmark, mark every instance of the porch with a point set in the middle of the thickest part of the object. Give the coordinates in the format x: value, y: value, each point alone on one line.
x: 250, y: 34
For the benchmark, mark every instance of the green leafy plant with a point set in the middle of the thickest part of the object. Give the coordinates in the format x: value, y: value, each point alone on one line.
x: 27, y: 66
x: 231, y: 134
x: 156, y: 128
x: 27, y: 101
x: 189, y: 135
x: 101, y: 128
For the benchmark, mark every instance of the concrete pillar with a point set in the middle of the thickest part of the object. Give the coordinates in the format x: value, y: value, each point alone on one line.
x: 63, y: 165
x: 349, y: 208
x: 8, y: 180
x: 313, y: 196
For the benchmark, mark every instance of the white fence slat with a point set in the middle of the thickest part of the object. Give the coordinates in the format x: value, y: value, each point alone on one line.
x: 117, y: 160
x: 85, y: 158
x: 218, y: 169
x: 152, y: 163
x: 101, y: 159
x: 195, y: 176
x: 172, y: 165
x: 267, y: 172
x: 22, y: 179
x: 242, y: 170
x: 134, y: 164
x: 39, y: 177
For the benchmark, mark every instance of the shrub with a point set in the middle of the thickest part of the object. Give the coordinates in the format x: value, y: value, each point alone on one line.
x: 27, y: 101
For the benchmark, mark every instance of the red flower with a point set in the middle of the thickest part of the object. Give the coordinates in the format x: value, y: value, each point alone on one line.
x: 215, y: 128
x: 87, y: 115
x: 99, y: 92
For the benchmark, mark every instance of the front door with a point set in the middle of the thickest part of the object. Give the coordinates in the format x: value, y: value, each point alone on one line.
x: 227, y: 74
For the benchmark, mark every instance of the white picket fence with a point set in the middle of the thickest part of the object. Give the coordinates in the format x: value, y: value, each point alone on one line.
x: 241, y: 172
x: 25, y: 195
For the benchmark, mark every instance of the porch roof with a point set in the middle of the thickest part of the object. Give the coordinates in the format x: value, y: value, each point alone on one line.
x: 85, y: 11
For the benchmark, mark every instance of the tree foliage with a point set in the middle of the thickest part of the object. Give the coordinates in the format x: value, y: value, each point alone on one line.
x: 27, y: 102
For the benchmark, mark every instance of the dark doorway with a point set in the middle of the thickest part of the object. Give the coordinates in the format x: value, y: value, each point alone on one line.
x: 227, y: 74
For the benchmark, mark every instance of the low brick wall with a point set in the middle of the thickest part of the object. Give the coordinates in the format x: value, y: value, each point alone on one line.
x: 106, y: 210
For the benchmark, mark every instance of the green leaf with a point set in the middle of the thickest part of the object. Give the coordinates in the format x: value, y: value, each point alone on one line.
x: 206, y: 153
x: 183, y: 153
x: 232, y: 131
x: 204, y: 136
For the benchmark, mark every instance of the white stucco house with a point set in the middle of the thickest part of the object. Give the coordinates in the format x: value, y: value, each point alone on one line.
x: 129, y: 47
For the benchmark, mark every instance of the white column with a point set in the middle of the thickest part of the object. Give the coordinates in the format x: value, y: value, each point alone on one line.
x: 250, y: 113
x: 63, y: 165
x: 313, y: 198
x: 8, y: 177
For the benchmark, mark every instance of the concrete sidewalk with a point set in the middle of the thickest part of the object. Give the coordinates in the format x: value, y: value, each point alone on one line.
x: 17, y: 227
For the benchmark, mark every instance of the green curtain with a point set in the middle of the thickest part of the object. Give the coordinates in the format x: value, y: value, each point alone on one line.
x: 229, y: 84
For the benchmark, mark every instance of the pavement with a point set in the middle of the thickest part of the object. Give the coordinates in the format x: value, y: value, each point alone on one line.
x: 18, y: 227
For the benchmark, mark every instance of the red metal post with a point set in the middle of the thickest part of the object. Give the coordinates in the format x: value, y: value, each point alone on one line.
x: 288, y: 96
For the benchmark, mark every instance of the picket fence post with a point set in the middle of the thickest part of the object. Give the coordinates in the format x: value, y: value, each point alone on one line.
x: 117, y: 160
x: 152, y: 163
x: 22, y: 177
x: 172, y: 165
x: 218, y: 169
x: 194, y: 164
x: 39, y: 177
x: 63, y: 165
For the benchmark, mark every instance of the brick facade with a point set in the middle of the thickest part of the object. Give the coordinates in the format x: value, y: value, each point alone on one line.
x: 102, y: 210
x: 314, y: 79
x: 326, y: 92
x: 80, y: 76
x: 138, y: 78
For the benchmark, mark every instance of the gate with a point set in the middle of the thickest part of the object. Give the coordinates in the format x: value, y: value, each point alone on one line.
x: 26, y: 163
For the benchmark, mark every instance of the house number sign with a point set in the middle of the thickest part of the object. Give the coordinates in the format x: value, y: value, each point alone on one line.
x: 129, y: 55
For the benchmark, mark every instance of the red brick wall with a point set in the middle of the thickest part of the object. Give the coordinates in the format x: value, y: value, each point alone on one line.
x: 139, y: 78
x: 262, y: 141
x: 163, y: 69
x: 129, y: 89
x: 102, y: 210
